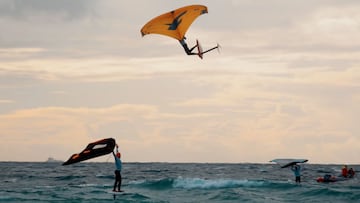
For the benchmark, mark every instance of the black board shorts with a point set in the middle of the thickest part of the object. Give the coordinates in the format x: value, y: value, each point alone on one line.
x: 117, y: 175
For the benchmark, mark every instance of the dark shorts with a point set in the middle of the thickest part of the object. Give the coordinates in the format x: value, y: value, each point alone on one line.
x: 117, y: 175
x: 297, y: 178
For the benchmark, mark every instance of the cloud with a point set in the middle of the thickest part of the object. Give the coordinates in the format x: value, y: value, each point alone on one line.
x: 284, y: 84
x: 16, y: 52
x: 264, y: 30
x: 6, y: 101
x: 242, y: 112
x: 65, y: 128
x: 43, y: 10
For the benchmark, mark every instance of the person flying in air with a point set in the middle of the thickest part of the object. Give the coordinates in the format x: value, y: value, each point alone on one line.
x: 118, y: 167
x: 186, y: 48
x: 175, y: 24
x: 189, y: 51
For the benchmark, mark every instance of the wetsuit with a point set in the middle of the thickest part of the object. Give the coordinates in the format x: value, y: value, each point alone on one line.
x: 186, y: 48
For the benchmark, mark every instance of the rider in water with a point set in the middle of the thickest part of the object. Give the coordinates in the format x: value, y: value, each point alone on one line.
x: 296, y: 169
x: 118, y: 167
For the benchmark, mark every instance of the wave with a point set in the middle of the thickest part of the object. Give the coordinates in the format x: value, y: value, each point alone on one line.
x: 70, y: 177
x: 201, y: 183
x: 336, y: 194
x: 155, y: 184
x: 11, y: 180
x: 193, y: 183
x: 328, y: 192
x: 104, y: 176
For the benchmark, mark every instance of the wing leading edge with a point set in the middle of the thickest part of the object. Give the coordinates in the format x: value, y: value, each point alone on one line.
x: 94, y: 149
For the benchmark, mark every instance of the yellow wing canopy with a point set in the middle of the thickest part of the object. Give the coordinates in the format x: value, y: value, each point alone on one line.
x: 175, y: 23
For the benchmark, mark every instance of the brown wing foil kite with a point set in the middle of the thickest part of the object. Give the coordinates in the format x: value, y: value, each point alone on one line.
x: 94, y: 149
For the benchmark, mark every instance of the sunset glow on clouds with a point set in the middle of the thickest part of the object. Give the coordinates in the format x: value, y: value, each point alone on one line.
x: 286, y: 83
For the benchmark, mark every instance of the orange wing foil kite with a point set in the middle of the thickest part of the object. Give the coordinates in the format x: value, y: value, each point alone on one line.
x: 174, y: 23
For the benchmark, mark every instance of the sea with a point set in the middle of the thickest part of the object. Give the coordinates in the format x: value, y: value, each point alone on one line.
x: 171, y: 182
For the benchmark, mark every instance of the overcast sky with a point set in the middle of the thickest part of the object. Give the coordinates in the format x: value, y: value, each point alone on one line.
x: 286, y: 83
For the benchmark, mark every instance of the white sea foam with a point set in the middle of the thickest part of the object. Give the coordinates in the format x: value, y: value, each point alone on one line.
x: 191, y: 183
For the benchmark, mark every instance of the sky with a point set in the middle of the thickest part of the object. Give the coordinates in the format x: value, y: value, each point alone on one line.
x: 286, y: 83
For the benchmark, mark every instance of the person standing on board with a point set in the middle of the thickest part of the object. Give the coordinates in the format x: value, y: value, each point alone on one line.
x: 118, y: 166
x: 296, y: 169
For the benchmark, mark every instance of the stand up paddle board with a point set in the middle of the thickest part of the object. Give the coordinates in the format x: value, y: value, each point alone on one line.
x: 117, y: 193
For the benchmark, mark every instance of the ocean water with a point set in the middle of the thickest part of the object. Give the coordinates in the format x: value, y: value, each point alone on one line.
x: 171, y: 182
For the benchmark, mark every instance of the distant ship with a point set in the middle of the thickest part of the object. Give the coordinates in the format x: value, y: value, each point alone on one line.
x: 52, y: 160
